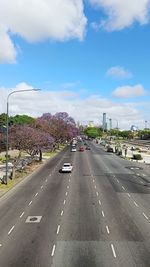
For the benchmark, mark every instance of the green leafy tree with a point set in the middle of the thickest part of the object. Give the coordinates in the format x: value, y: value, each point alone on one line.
x: 21, y: 120
x: 93, y: 132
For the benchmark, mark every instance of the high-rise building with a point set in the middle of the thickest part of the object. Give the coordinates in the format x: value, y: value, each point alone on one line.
x: 104, y: 122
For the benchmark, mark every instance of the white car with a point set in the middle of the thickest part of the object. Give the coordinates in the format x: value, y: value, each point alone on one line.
x: 67, y: 167
x: 73, y: 149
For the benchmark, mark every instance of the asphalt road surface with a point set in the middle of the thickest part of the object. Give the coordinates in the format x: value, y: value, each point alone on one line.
x: 99, y: 215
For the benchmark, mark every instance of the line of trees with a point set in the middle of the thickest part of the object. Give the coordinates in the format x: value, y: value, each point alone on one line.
x: 37, y: 135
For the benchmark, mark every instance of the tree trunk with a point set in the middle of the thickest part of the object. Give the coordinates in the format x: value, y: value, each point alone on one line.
x: 40, y: 157
x: 15, y: 164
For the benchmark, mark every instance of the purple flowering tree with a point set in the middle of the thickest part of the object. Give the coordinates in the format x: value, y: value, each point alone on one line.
x: 31, y: 140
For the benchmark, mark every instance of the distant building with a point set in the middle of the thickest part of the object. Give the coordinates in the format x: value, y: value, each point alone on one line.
x: 104, y: 122
x: 134, y: 128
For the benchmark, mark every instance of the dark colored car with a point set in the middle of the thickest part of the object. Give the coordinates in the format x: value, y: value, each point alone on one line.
x: 81, y: 148
x: 87, y: 148
x: 110, y: 149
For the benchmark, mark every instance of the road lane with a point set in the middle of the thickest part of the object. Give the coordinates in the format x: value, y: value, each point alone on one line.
x: 89, y: 218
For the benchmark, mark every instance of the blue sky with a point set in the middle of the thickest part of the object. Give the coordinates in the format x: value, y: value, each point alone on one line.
x: 88, y: 57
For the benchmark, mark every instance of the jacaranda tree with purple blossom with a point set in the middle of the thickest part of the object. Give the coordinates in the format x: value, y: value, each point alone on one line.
x: 31, y: 140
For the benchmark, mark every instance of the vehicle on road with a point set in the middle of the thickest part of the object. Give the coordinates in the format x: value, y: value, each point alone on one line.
x: 67, y: 167
x: 87, y: 148
x: 110, y: 149
x: 73, y: 149
x: 81, y: 148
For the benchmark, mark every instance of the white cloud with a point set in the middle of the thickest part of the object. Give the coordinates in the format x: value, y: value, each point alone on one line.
x: 129, y: 91
x: 37, y: 20
x: 81, y: 109
x: 119, y: 72
x: 8, y: 52
x: 122, y: 13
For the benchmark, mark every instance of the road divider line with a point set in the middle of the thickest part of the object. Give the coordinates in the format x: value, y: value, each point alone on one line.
x: 58, y: 229
x: 22, y: 214
x: 135, y: 204
x: 113, y: 250
x: 145, y: 215
x: 53, y: 250
x: 107, y: 228
x: 11, y: 230
x: 30, y: 203
x: 103, y: 214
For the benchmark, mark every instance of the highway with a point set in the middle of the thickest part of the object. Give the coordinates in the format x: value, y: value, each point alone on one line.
x: 98, y: 215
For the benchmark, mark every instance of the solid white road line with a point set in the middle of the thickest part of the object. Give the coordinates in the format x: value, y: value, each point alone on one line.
x: 11, y: 230
x: 135, y: 204
x: 107, y: 229
x: 58, y: 229
x: 22, y: 214
x: 30, y: 203
x: 145, y: 215
x: 53, y: 250
x: 103, y: 213
x: 113, y: 250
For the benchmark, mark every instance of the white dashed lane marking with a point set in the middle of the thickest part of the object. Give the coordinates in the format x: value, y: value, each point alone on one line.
x: 113, y: 250
x: 62, y: 213
x: 129, y: 195
x: 135, y: 204
x: 11, y: 230
x: 103, y: 214
x: 36, y: 194
x: 145, y: 215
x: 64, y: 202
x: 22, y: 214
x: 53, y: 250
x: 58, y: 229
x: 100, y: 202
x: 107, y: 228
x: 30, y: 203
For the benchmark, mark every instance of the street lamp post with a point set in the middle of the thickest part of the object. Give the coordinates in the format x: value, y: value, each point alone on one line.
x: 7, y: 141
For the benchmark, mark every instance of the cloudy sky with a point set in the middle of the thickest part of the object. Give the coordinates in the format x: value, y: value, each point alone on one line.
x: 87, y: 57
